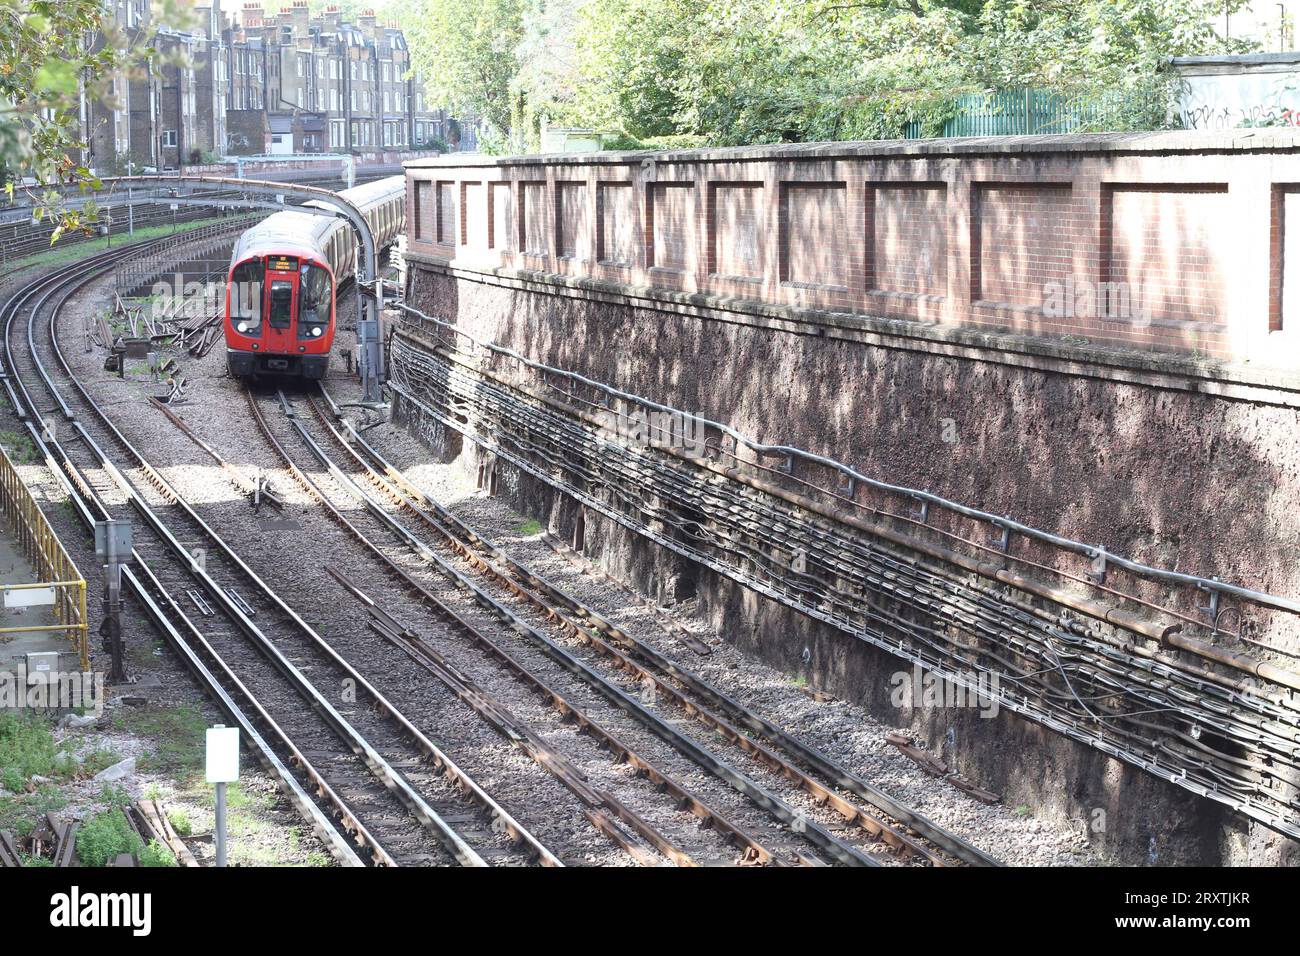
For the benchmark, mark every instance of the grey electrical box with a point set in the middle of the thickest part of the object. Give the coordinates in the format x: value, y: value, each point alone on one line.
x: 113, y: 540
x: 43, y: 665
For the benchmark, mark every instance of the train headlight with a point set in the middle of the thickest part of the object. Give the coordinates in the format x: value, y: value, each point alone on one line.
x: 242, y: 327
x: 316, y: 330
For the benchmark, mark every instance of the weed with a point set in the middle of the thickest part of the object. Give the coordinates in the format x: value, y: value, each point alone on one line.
x: 177, y: 734
x: 114, y: 795
x: 27, y: 748
x: 20, y: 813
x: 99, y: 759
x: 531, y: 526
x: 104, y: 836
x: 155, y: 854
x: 19, y: 447
x: 180, y: 820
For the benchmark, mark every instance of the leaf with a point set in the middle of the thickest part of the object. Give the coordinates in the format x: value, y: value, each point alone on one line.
x: 58, y: 76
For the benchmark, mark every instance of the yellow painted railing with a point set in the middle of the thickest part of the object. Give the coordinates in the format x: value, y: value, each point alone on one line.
x: 54, y: 569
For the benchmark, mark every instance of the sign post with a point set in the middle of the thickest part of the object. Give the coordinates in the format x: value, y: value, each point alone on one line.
x: 222, y: 768
x: 113, y: 548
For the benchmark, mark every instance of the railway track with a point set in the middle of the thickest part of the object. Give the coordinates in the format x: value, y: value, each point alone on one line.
x: 371, y: 784
x: 828, y: 813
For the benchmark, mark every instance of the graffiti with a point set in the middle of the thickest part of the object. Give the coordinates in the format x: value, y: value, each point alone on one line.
x: 1241, y: 100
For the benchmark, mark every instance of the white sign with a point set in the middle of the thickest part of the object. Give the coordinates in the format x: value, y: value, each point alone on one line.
x: 28, y: 597
x: 223, y: 755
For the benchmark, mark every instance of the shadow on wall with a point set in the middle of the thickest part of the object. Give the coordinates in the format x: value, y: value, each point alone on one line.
x: 1174, y: 479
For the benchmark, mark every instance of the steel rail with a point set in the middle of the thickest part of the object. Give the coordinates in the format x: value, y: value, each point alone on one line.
x: 144, y: 585
x: 587, y: 624
x: 809, y: 829
x: 1174, y: 772
x: 383, y: 772
x: 755, y: 851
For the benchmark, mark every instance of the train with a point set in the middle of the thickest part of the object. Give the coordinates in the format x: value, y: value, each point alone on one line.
x: 285, y: 272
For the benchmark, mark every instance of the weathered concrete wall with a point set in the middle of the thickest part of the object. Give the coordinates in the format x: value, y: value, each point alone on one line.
x: 1174, y: 462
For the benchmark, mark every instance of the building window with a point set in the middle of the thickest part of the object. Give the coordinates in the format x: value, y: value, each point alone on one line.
x: 169, y: 138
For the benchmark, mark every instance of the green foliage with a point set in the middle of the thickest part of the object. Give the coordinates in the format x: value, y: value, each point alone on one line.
x: 18, y: 446
x: 50, y: 52
x: 104, y: 836
x: 732, y: 72
x: 155, y: 854
x: 180, y: 820
x: 466, y: 51
x: 177, y: 734
x: 27, y: 748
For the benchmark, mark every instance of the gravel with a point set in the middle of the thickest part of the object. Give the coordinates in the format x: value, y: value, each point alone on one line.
x: 291, y: 549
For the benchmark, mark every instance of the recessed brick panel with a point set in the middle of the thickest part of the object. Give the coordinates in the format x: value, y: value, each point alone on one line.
x: 1170, y: 246
x: 473, y: 215
x: 423, y: 210
x: 1023, y: 238
x: 616, y: 227
x: 669, y: 223
x: 532, y: 228
x: 815, y: 235
x: 448, y: 226
x: 737, y: 230
x: 571, y: 235
x: 501, y: 215
x: 909, y: 238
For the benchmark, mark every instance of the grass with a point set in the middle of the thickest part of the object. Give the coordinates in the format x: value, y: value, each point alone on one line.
x: 177, y: 734
x: 19, y: 446
x: 27, y: 748
x: 20, y: 813
x: 57, y: 254
x: 531, y: 526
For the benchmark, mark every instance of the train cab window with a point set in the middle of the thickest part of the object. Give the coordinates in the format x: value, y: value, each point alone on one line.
x: 313, y: 301
x: 246, y: 297
x: 281, y: 310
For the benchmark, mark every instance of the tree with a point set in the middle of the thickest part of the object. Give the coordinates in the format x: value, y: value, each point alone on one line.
x: 53, y: 53
x: 467, y: 53
x: 753, y: 71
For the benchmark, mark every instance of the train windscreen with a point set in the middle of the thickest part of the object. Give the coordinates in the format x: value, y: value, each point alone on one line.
x: 314, y: 297
x: 246, y: 297
x: 281, y: 312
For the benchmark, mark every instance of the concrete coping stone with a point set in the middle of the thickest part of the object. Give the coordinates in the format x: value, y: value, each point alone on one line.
x: 1263, y: 139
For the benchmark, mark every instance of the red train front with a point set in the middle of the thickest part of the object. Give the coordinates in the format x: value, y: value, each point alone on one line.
x: 282, y: 287
x: 279, y: 315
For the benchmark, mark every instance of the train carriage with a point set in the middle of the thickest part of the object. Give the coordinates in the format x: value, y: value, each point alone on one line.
x: 282, y: 286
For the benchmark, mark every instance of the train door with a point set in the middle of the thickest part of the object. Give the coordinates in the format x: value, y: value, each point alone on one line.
x: 281, y: 305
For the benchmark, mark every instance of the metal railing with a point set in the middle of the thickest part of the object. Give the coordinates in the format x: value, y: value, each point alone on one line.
x: 59, y: 585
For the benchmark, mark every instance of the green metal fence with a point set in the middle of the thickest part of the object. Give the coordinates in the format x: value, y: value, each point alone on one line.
x: 1020, y: 112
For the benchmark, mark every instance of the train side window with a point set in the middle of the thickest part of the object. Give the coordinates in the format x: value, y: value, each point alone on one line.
x: 246, y: 297
x: 313, y: 301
